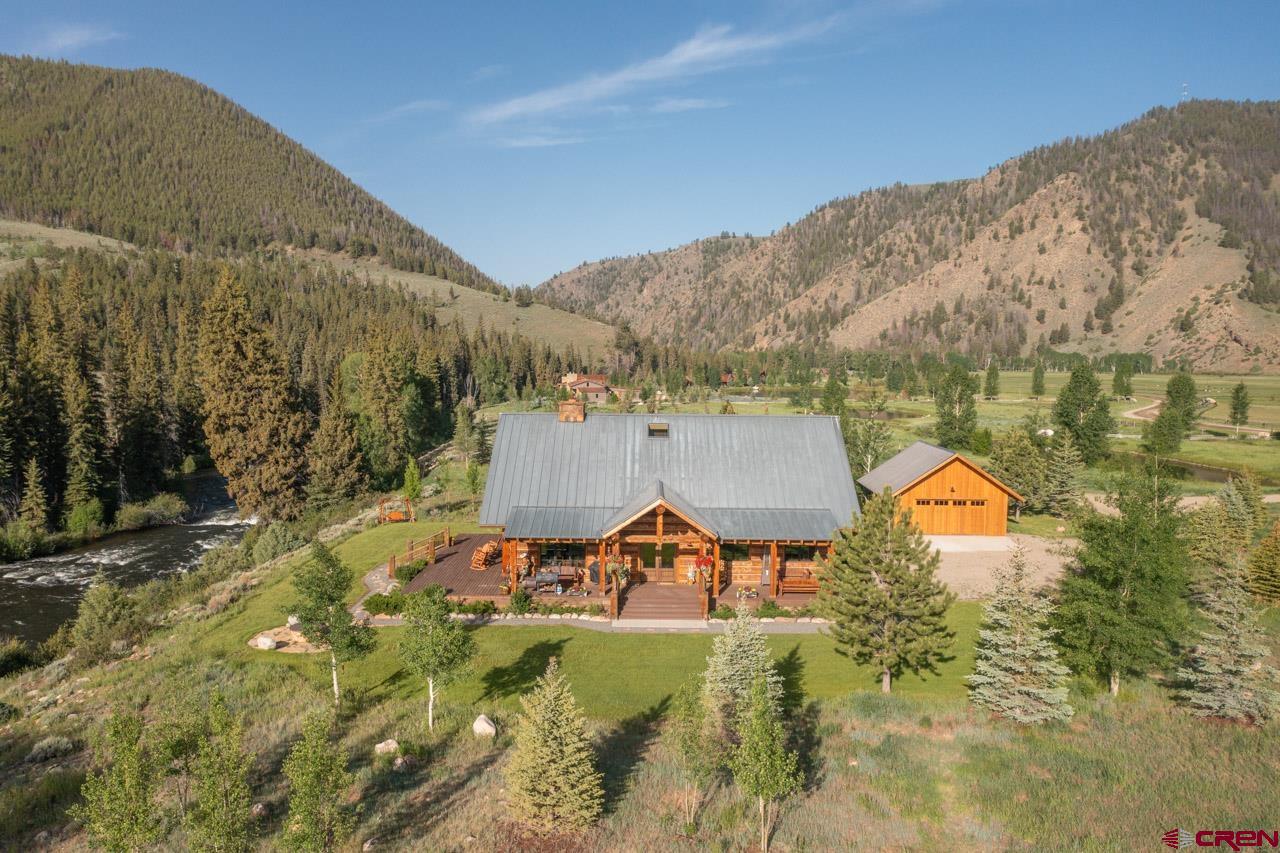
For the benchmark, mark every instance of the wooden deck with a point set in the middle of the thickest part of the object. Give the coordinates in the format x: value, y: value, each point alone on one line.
x: 452, y: 570
x: 660, y: 601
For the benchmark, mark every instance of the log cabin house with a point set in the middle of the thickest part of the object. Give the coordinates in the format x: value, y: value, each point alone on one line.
x: 946, y: 493
x: 682, y: 500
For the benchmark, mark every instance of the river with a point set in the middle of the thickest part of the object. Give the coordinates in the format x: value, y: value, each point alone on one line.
x: 38, y: 595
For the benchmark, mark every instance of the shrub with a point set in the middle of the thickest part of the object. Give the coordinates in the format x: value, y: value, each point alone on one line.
x: 20, y: 540
x: 722, y: 611
x: 86, y: 519
x: 771, y: 609
x: 408, y: 571
x: 15, y: 656
x: 49, y: 748
x: 220, y: 563
x: 166, y: 508
x: 44, y: 801
x: 521, y: 602
x: 107, y: 616
x: 276, y: 541
x: 479, y: 607
x: 8, y: 712
x: 385, y: 604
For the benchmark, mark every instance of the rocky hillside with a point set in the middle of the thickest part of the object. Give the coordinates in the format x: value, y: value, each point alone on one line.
x: 156, y: 159
x: 1161, y: 236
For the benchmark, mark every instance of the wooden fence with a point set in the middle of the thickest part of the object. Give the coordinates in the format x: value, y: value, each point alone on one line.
x: 420, y: 549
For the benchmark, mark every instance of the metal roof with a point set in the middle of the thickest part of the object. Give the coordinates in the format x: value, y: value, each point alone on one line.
x: 740, y: 476
x: 906, y: 467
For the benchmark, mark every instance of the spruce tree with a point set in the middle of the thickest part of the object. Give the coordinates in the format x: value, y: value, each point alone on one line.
x: 957, y: 414
x: 85, y: 442
x: 1224, y: 673
x: 464, y: 432
x: 1037, y: 380
x: 1016, y: 672
x: 878, y: 589
x: 256, y: 429
x: 1264, y: 568
x: 1019, y: 464
x: 34, y: 509
x: 1083, y: 412
x: 991, y: 382
x: 323, y: 583
x: 738, y: 657
x: 1246, y: 483
x: 1237, y: 516
x: 1121, y: 605
x: 552, y: 780
x: 434, y: 647
x: 762, y: 765
x: 219, y: 819
x: 335, y: 465
x: 1065, y: 477
x: 411, y: 483
x: 119, y: 811
x: 319, y: 818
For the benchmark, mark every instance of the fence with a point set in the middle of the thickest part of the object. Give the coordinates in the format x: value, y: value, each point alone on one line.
x: 421, y: 549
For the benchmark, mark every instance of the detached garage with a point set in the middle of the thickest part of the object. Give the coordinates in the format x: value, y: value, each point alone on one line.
x: 946, y: 493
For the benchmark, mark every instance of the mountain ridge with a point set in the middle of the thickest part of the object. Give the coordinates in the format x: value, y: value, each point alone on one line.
x: 1081, y: 232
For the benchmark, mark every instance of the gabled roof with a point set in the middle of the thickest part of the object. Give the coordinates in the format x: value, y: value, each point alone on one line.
x: 914, y: 463
x: 736, y: 476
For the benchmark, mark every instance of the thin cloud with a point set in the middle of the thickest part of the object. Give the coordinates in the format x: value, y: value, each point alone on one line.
x: 424, y: 105
x: 684, y: 105
x: 539, y: 140
x: 712, y: 49
x: 488, y: 72
x: 70, y: 38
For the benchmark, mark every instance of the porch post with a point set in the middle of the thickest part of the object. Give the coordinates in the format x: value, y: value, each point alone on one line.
x: 774, y: 567
x: 600, y: 570
x: 715, y: 567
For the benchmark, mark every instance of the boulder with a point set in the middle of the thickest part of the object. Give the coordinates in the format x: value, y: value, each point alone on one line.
x: 293, y: 622
x: 483, y: 727
x: 387, y: 747
x: 258, y: 810
x: 404, y: 762
x: 264, y: 642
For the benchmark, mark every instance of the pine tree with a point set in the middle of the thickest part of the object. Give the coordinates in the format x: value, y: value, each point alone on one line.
x: 552, y: 780
x: 1037, y: 380
x: 1224, y: 674
x: 34, y: 509
x: 1121, y: 605
x: 834, y: 396
x: 762, y: 765
x: 1237, y: 516
x: 957, y: 413
x: 85, y: 442
x: 1065, y: 477
x: 1182, y: 399
x: 1246, y: 483
x: 738, y: 657
x: 119, y: 811
x: 1019, y: 464
x: 411, y: 483
x: 464, y: 432
x: 1083, y: 412
x: 879, y: 591
x: 323, y: 583
x: 219, y: 819
x: 1239, y: 406
x: 1016, y: 672
x: 991, y: 382
x: 319, y: 818
x: 335, y: 465
x: 1264, y: 568
x: 434, y: 646
x: 256, y: 429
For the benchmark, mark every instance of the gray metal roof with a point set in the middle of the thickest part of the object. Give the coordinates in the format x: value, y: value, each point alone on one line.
x: 647, y: 498
x: 739, y: 476
x: 906, y: 467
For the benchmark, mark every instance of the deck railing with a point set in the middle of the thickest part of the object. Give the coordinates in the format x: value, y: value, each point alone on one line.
x: 421, y: 549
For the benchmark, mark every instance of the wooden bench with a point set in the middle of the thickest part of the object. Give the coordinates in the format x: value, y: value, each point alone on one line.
x: 798, y: 583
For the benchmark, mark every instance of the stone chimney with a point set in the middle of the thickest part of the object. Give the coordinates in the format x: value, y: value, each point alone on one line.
x: 572, y: 411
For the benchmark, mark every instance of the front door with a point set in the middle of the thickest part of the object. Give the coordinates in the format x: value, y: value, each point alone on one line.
x: 658, y: 565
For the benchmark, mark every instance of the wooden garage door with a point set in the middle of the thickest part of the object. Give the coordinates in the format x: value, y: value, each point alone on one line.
x: 954, y: 516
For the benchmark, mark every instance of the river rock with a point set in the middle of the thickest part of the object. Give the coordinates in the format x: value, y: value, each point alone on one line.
x: 387, y: 747
x: 483, y: 727
x: 264, y: 642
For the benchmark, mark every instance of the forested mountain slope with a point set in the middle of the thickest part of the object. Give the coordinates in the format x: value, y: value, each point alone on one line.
x: 156, y: 159
x: 1161, y: 236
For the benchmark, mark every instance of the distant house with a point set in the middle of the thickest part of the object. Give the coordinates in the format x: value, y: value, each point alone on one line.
x: 946, y: 493
x: 590, y: 391
x: 754, y: 498
x: 570, y: 379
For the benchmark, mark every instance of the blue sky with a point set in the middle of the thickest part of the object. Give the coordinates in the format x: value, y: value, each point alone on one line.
x: 535, y: 136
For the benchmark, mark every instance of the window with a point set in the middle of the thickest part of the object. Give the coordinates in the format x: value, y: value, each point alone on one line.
x: 925, y: 502
x: 659, y: 430
x: 729, y: 553
x: 977, y: 503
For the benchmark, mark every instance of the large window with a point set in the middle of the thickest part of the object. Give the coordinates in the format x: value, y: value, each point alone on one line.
x: 729, y: 553
x: 800, y: 552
